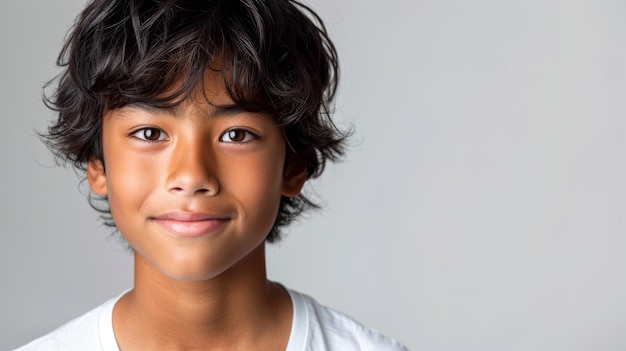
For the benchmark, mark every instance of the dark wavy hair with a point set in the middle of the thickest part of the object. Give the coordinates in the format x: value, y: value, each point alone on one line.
x: 275, y: 56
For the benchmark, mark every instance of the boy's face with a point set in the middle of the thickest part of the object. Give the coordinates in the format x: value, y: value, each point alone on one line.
x: 195, y: 189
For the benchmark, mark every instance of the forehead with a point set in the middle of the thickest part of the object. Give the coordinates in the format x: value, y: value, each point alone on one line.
x: 209, y: 90
x: 210, y: 98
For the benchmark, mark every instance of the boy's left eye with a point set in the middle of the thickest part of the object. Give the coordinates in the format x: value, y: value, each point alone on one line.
x: 237, y: 136
x: 150, y: 134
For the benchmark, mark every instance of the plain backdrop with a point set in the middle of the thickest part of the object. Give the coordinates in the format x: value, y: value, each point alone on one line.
x: 482, y: 207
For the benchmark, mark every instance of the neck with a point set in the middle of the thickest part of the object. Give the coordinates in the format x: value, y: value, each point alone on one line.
x: 238, y: 308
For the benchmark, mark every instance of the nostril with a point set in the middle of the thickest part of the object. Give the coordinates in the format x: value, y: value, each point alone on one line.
x: 183, y: 190
x: 190, y: 181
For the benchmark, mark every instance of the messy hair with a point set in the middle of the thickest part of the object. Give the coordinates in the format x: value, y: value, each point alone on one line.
x: 275, y: 57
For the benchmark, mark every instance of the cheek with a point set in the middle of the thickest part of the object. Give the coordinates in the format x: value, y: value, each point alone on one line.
x: 263, y: 197
x: 129, y: 183
x: 258, y: 187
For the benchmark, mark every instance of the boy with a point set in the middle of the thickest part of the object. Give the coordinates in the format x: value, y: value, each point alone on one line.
x: 197, y: 124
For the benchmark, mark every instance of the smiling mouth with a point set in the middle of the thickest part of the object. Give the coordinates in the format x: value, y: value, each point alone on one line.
x: 190, y: 224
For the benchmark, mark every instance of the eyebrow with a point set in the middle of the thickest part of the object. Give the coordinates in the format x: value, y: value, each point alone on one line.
x: 227, y: 109
x: 215, y: 110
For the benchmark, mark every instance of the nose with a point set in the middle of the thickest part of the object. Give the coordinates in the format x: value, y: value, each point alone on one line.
x: 192, y: 168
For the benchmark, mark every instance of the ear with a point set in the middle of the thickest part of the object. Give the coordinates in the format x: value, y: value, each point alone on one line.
x: 96, y: 176
x: 295, y: 176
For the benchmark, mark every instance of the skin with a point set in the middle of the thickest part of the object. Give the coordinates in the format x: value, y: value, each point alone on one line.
x: 195, y: 190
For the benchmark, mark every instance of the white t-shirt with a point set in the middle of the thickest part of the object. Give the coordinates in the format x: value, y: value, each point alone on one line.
x: 314, y: 328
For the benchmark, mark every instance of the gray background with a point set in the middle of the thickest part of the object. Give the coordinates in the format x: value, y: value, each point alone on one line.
x: 483, y: 207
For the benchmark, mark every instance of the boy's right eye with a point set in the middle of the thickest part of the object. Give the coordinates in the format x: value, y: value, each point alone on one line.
x: 150, y: 134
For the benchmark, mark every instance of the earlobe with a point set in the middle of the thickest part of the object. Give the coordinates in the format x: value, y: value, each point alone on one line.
x: 295, y: 176
x: 96, y: 176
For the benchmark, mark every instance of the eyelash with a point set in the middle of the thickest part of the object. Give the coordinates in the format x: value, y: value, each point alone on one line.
x: 248, y: 136
x: 161, y: 135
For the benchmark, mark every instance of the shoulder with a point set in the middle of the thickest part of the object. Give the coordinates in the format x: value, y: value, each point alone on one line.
x: 87, y: 332
x: 317, y: 327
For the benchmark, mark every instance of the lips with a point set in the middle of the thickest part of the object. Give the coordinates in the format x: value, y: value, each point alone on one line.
x: 189, y: 224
